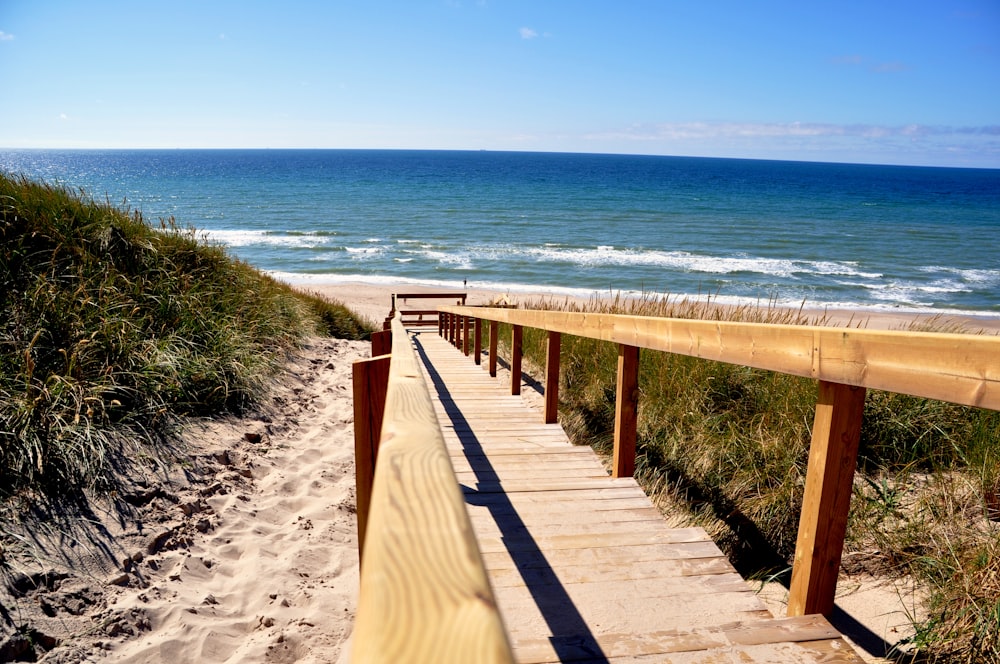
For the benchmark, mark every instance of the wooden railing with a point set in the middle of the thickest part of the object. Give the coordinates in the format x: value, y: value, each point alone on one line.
x: 959, y: 368
x: 417, y: 317
x: 424, y: 596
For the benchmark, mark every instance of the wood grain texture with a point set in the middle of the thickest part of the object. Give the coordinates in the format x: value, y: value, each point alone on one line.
x: 960, y: 368
x: 626, y: 411
x: 833, y: 455
x: 424, y: 596
x: 552, y: 347
x: 370, y: 381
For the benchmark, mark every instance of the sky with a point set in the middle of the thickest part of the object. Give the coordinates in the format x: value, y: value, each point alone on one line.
x: 870, y: 81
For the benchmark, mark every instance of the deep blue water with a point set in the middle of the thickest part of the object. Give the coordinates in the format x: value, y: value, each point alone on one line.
x: 813, y: 233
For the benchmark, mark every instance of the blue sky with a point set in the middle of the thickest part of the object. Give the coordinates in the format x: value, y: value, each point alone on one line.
x: 876, y: 81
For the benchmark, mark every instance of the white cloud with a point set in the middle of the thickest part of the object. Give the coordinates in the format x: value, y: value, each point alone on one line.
x: 4, y: 36
x: 528, y: 33
x: 712, y: 130
x: 63, y: 117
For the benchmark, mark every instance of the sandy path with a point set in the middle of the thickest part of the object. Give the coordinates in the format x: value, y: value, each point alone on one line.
x: 275, y: 577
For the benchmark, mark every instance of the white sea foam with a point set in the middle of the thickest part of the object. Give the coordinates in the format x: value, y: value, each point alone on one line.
x: 364, y: 251
x: 235, y: 238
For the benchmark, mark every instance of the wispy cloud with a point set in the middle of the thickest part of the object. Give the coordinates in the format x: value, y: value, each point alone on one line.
x: 6, y: 36
x: 528, y: 33
x: 681, y: 131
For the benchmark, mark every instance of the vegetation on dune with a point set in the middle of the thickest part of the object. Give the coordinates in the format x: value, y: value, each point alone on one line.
x: 110, y: 329
x: 730, y: 445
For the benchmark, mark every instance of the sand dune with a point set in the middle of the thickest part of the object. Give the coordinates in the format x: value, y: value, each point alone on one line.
x: 249, y: 554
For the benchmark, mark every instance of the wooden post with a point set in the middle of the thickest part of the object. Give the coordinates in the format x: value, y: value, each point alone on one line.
x: 381, y: 343
x: 371, y: 380
x: 477, y: 334
x: 552, y: 377
x: 515, y: 359
x: 442, y: 316
x: 467, y: 337
x: 494, y: 334
x: 454, y: 330
x: 833, y: 456
x: 626, y: 411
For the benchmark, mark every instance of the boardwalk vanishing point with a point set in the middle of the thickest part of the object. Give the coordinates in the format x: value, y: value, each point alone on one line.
x: 583, y: 566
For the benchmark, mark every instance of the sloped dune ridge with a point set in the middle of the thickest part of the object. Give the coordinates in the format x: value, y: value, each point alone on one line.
x: 246, y: 553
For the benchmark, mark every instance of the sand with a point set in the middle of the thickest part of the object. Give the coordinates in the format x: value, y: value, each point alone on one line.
x: 247, y: 552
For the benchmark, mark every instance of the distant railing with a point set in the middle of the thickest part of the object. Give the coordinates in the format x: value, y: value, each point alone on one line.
x: 424, y: 596
x: 416, y: 317
x: 958, y: 368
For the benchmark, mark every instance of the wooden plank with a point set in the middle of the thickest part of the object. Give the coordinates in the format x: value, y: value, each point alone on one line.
x: 736, y: 642
x: 511, y: 575
x: 590, y: 540
x: 626, y: 411
x: 960, y: 368
x: 833, y: 456
x: 416, y: 555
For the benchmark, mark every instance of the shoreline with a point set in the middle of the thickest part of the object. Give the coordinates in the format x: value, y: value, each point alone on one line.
x: 373, y: 301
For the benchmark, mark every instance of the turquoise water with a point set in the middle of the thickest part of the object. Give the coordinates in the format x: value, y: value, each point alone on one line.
x: 836, y: 235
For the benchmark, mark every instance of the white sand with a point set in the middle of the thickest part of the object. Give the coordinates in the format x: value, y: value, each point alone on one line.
x: 247, y: 553
x: 276, y: 579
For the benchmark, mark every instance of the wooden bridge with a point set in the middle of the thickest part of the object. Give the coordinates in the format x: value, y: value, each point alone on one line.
x: 491, y: 538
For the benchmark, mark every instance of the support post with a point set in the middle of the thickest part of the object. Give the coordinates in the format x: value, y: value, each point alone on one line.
x: 467, y: 337
x: 626, y: 411
x: 454, y: 330
x: 381, y: 343
x: 371, y: 380
x: 552, y: 377
x: 477, y: 335
x: 833, y: 456
x: 515, y: 359
x: 494, y: 334
x: 442, y: 317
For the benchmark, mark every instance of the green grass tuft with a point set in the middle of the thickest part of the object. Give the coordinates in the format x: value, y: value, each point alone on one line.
x: 111, y: 329
x: 730, y: 445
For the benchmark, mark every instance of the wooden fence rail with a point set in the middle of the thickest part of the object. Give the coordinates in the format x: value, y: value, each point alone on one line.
x: 958, y: 368
x: 424, y: 596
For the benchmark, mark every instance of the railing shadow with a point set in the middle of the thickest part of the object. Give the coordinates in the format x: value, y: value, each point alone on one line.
x: 572, y: 638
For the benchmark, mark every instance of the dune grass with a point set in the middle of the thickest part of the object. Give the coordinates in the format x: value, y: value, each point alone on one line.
x: 111, y: 329
x: 729, y: 446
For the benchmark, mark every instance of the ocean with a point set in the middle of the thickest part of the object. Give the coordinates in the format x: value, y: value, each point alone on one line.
x: 792, y: 233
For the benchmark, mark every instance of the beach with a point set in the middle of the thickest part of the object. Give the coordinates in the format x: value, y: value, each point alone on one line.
x: 248, y: 552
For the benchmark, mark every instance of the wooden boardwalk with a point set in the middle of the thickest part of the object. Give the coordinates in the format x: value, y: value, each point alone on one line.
x: 583, y: 566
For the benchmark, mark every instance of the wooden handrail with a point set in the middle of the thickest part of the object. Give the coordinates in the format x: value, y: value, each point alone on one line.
x: 959, y: 368
x: 425, y: 595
